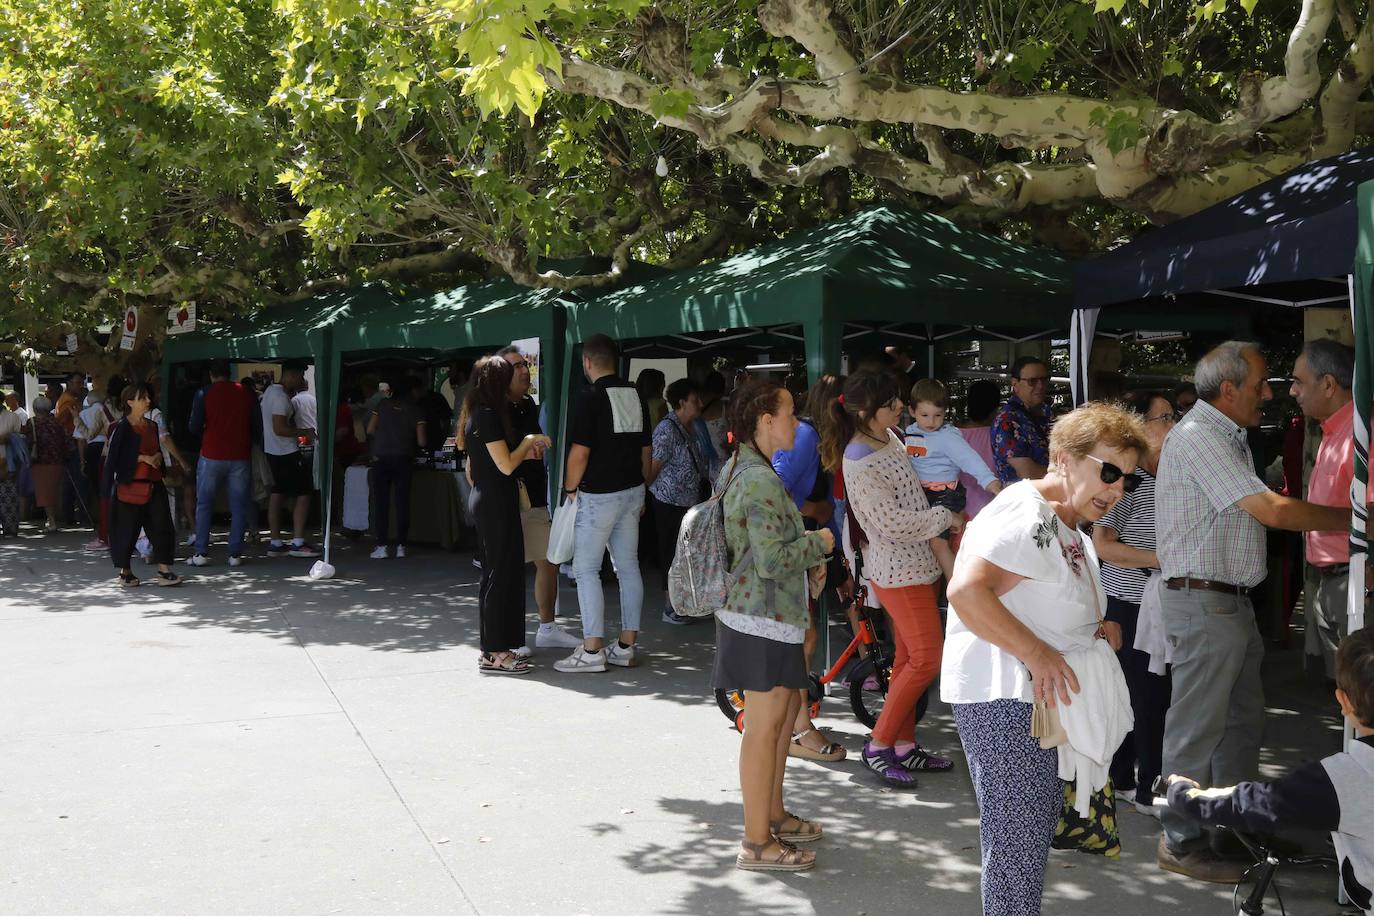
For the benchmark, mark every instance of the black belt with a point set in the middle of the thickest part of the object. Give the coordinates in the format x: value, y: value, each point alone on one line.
x: 1335, y: 569
x: 1186, y: 583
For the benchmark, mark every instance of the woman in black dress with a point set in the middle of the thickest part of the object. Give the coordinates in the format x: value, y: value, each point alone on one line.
x: 493, y: 455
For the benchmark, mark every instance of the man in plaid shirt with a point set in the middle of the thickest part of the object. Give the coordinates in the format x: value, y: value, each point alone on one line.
x: 1211, y: 511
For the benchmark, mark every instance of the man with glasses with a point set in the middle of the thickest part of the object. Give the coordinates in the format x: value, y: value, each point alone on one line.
x: 1322, y: 376
x: 1211, y: 512
x: 534, y: 521
x: 1021, y: 429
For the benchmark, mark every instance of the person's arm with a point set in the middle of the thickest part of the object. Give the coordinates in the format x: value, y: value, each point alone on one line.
x: 661, y: 452
x: 507, y: 461
x: 877, y: 499
x: 750, y: 497
x: 976, y: 591
x: 1111, y: 550
x: 196, y: 424
x: 1027, y: 468
x: 1283, y: 512
x: 646, y: 461
x: 372, y: 422
x: 1305, y: 798
x: 578, y: 457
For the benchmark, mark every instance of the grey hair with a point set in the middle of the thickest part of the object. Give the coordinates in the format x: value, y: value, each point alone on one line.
x: 1224, y: 363
x: 42, y: 404
x: 1333, y: 358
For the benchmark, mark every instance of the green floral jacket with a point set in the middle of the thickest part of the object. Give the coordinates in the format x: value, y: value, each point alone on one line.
x: 760, y: 516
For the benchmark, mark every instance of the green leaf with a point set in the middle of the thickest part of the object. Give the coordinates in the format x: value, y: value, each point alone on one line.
x: 671, y: 103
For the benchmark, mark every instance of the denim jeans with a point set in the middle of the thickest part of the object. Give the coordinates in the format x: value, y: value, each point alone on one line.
x: 608, y: 520
x: 210, y: 474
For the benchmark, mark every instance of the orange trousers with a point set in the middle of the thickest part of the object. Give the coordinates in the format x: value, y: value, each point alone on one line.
x: 919, y: 642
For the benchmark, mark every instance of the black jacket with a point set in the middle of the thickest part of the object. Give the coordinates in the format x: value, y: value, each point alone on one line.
x: 121, y: 461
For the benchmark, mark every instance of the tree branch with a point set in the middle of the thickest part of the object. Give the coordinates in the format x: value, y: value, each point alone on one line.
x: 1338, y: 106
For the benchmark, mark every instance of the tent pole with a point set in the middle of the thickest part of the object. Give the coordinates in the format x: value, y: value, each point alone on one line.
x: 823, y: 345
x: 1081, y: 331
x: 328, y: 359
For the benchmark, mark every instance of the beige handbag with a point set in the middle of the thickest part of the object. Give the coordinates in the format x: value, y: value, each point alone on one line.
x: 1045, y: 722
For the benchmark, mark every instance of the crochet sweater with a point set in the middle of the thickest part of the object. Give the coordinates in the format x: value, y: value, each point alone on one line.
x: 885, y: 494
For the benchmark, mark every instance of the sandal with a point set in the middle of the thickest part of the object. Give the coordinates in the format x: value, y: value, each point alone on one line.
x: 918, y: 759
x: 487, y: 664
x: 829, y: 752
x: 129, y: 580
x: 789, y: 858
x: 804, y: 832
x: 168, y: 578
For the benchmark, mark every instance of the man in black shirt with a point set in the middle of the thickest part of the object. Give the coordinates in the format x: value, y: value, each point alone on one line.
x: 607, y: 466
x: 534, y: 521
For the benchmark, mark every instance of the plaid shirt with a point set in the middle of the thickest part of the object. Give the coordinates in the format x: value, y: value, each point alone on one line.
x: 1204, y: 471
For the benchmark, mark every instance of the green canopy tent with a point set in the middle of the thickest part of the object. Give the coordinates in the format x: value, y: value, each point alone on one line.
x: 886, y: 272
x: 1362, y: 301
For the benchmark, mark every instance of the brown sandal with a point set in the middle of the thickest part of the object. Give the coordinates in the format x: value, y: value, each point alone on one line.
x: 789, y: 858
x: 804, y: 832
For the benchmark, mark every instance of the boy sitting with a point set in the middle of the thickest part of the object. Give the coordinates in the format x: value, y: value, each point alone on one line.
x: 939, y: 452
x: 1335, y: 794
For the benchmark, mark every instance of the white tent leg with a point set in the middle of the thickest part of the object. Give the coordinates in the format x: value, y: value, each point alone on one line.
x: 1081, y: 332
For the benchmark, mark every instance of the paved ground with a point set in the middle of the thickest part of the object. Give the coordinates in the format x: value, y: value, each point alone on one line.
x: 256, y: 742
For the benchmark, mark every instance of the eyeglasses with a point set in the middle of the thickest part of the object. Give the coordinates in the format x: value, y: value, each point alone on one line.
x: 520, y: 365
x: 1111, y: 474
x: 1035, y: 381
x: 1171, y: 417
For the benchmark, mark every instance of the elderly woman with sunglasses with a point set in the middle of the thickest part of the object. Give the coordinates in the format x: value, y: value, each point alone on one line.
x: 1024, y: 600
x: 1125, y: 541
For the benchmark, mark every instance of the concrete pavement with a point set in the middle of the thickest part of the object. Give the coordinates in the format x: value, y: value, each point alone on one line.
x: 256, y: 742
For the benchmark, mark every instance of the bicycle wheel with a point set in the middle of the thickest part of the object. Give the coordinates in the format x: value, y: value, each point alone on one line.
x: 731, y: 703
x: 868, y: 692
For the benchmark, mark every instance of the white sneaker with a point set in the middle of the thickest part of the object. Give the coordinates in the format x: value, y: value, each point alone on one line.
x: 379, y: 553
x: 625, y: 658
x: 400, y: 552
x: 523, y: 652
x: 236, y: 561
x: 1148, y: 810
x: 555, y: 637
x: 582, y: 661
x: 199, y: 559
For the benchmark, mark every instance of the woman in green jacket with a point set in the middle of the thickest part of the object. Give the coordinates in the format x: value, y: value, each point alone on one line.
x: 759, y: 631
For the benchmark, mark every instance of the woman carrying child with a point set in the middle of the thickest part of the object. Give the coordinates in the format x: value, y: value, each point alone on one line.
x: 887, y: 499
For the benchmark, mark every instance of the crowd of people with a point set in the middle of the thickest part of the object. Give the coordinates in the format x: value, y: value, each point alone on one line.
x: 1100, y: 630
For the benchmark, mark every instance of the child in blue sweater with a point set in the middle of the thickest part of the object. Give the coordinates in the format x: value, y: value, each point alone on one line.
x: 939, y: 452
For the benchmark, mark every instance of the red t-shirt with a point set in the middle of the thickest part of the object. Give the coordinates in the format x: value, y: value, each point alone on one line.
x: 228, y: 418
x: 149, y: 445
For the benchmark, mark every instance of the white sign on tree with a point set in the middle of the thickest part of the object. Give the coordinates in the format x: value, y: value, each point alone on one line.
x: 130, y: 329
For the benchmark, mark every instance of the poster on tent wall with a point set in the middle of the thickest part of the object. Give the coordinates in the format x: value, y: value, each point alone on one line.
x: 529, y: 348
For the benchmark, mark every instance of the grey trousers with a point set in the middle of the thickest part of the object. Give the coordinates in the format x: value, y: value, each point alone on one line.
x: 1215, y: 723
x: 1328, y: 612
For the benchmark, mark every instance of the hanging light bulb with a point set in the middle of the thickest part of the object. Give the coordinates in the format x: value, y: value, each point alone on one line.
x: 661, y: 170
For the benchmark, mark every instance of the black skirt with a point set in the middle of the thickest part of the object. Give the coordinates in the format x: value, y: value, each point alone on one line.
x: 745, y: 662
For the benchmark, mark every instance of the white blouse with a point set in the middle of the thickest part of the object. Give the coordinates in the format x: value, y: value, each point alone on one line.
x: 1019, y: 532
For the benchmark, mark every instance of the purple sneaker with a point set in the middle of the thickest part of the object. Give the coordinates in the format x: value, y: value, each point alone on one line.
x: 884, y: 763
x: 918, y: 758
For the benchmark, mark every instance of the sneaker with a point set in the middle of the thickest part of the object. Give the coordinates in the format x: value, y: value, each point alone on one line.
x: 884, y: 763
x: 476, y: 563
x: 379, y: 553
x: 582, y: 661
x: 673, y: 618
x: 190, y: 540
x: 236, y: 562
x: 277, y: 549
x: 523, y: 652
x: 199, y: 559
x: 555, y: 637
x: 306, y: 551
x: 97, y: 544
x: 1147, y: 810
x: 400, y: 551
x: 1199, y: 864
x: 625, y: 658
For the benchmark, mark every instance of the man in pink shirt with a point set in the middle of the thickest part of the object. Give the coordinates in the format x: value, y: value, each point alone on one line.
x: 1321, y: 386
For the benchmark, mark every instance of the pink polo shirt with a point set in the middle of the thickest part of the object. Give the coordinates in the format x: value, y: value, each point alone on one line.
x: 1330, y: 485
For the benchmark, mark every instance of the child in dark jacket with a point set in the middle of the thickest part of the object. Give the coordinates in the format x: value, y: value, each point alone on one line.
x: 1335, y: 794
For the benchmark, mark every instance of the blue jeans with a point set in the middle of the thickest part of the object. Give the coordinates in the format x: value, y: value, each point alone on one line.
x: 210, y: 474
x: 608, y: 520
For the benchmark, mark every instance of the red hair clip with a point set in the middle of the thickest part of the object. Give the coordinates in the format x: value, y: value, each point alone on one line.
x: 841, y: 400
x: 730, y: 438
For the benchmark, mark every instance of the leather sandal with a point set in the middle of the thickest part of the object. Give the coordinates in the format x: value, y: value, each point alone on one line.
x: 789, y: 858
x: 803, y: 831
x: 511, y: 664
x: 829, y: 753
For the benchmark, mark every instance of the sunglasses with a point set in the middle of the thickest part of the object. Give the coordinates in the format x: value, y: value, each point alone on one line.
x: 1111, y: 474
x: 1035, y: 381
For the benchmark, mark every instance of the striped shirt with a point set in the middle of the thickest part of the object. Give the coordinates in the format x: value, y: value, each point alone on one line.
x: 1133, y: 520
x: 1204, y: 472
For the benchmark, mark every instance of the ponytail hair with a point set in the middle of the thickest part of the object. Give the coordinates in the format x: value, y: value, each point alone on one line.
x: 865, y: 392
